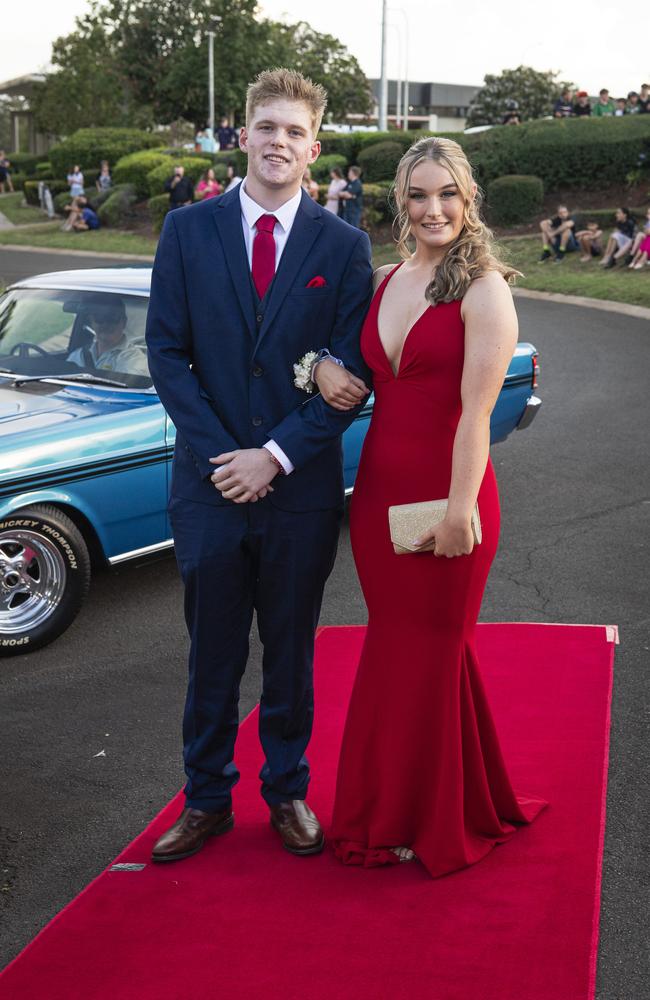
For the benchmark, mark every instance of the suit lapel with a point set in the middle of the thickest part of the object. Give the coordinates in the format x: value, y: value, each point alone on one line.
x: 227, y: 217
x: 306, y: 228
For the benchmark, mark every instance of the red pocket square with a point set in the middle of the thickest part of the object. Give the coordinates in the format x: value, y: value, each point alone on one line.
x: 316, y: 282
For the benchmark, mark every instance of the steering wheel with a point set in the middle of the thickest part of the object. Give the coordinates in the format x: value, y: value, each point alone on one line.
x: 24, y: 347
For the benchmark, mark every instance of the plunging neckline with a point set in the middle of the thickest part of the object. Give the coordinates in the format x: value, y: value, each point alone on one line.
x: 380, y: 293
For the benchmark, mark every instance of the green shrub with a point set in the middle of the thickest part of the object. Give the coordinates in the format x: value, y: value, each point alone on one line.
x: 43, y: 170
x: 194, y: 167
x: 24, y: 163
x: 60, y: 201
x: 118, y: 208
x: 18, y: 178
x: 378, y: 161
x: 89, y: 146
x: 565, y: 153
x: 31, y: 190
x: 158, y: 208
x: 320, y: 170
x: 234, y: 156
x: 515, y: 198
x: 133, y: 169
x: 376, y: 204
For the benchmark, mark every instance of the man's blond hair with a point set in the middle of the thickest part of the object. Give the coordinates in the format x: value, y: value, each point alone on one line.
x: 289, y: 85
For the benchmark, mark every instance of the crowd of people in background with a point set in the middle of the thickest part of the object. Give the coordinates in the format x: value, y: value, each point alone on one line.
x: 576, y: 104
x: 628, y: 243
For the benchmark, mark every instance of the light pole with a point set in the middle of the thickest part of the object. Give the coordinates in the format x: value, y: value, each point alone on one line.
x: 214, y: 24
x: 405, y: 88
x: 383, y: 83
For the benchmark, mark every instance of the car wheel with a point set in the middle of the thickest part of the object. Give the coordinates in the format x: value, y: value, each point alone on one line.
x: 44, y: 577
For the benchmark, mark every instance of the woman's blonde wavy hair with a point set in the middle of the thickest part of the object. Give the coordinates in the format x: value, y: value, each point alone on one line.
x: 472, y: 253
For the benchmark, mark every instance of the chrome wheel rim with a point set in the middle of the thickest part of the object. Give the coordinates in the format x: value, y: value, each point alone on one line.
x: 32, y: 580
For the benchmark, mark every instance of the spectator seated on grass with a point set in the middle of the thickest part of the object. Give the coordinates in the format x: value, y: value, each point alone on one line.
x: 590, y: 241
x: 641, y: 246
x: 558, y: 234
x: 621, y: 239
x: 80, y: 216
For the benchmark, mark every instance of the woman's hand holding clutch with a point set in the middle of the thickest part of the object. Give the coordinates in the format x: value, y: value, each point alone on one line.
x: 450, y: 537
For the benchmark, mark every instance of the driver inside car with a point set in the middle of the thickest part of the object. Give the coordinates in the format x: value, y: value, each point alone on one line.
x: 110, y: 349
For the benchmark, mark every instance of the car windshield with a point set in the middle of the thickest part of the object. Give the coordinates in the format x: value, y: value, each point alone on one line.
x: 62, y: 332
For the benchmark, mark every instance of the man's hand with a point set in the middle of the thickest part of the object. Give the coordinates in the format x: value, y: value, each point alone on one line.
x: 244, y: 476
x: 339, y: 388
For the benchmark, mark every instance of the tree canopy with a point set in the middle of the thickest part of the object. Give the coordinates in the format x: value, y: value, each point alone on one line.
x: 134, y: 63
x: 534, y: 91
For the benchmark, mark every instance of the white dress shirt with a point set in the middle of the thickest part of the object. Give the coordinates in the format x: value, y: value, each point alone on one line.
x: 285, y: 215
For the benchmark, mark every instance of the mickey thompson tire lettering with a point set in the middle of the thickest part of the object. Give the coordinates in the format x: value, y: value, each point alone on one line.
x: 52, y: 553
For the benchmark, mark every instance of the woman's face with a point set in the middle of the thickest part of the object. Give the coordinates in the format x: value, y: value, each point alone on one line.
x: 620, y: 215
x: 435, y: 205
x: 210, y: 175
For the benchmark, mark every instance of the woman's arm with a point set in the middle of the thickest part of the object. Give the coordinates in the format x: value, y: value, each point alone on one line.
x: 490, y: 339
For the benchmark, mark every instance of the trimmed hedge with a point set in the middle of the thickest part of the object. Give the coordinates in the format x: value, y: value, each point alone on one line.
x: 89, y: 146
x: 235, y: 156
x: 320, y: 170
x: 566, y: 152
x: 30, y: 189
x: 43, y: 170
x: 515, y: 198
x: 134, y: 168
x: 118, y: 208
x: 24, y: 163
x: 158, y: 208
x: 378, y: 161
x: 18, y: 179
x: 194, y: 167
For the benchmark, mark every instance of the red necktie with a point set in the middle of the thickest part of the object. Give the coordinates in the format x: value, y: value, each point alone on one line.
x: 264, y: 254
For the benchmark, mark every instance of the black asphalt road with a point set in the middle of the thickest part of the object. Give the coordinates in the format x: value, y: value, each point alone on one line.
x: 574, y: 548
x: 18, y: 264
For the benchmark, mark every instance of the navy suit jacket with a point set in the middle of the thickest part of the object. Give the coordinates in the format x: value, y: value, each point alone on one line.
x: 224, y: 377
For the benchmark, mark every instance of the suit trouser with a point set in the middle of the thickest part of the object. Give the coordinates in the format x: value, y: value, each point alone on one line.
x: 235, y: 560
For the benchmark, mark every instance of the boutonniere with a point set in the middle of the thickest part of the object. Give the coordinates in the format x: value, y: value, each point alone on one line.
x: 317, y: 282
x: 302, y: 372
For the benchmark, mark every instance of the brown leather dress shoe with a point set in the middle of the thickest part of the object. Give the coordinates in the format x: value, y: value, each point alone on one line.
x: 298, y: 827
x: 189, y: 833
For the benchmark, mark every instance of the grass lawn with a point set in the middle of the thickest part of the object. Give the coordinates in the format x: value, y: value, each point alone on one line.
x: 100, y: 240
x: 11, y: 205
x: 568, y: 278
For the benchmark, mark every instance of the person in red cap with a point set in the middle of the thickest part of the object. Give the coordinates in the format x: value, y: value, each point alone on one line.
x: 582, y: 107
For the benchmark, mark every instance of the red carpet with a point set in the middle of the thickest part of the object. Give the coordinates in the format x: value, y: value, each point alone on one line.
x: 244, y: 919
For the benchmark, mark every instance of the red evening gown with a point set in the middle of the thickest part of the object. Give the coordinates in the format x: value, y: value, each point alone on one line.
x: 420, y: 763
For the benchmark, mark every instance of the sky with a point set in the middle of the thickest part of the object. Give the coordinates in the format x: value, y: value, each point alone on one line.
x: 590, y: 46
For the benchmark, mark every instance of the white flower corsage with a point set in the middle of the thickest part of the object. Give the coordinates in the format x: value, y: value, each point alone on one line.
x: 302, y: 372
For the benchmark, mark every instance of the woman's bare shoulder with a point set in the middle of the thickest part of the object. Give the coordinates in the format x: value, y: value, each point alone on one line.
x: 379, y: 275
x: 490, y: 288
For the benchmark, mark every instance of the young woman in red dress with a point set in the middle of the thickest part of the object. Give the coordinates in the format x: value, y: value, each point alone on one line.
x: 421, y: 774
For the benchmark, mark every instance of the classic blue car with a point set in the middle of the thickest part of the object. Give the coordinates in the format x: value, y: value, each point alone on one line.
x: 86, y: 446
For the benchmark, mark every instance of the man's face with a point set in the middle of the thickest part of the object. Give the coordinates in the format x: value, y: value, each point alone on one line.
x: 179, y: 171
x: 280, y: 143
x: 109, y: 331
x: 604, y: 96
x: 563, y: 212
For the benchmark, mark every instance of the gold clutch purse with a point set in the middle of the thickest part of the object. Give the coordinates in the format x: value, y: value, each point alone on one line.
x: 410, y: 520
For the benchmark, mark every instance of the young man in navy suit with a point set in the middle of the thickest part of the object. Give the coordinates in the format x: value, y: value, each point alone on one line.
x: 243, y: 288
